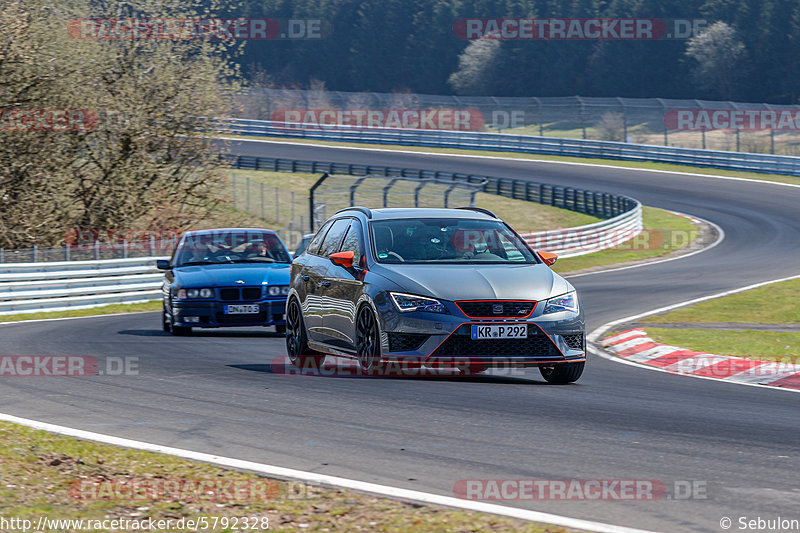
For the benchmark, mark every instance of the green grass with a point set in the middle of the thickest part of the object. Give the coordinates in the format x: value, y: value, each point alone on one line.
x: 42, y: 472
x: 772, y: 304
x: 104, y: 310
x: 667, y: 234
x: 764, y: 345
x: 667, y: 167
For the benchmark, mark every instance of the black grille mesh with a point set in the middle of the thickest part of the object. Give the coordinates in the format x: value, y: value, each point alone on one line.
x: 404, y: 342
x: 537, y: 345
x: 485, y: 309
x: 574, y: 341
x: 241, y: 319
x: 251, y: 293
x: 230, y: 295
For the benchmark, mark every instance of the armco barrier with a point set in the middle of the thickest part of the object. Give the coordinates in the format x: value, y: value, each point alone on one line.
x: 63, y: 285
x: 468, y: 140
x: 55, y: 286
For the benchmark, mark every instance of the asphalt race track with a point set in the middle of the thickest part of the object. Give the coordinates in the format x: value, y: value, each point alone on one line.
x: 215, y: 392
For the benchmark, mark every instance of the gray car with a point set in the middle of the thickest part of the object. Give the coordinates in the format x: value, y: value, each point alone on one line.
x: 435, y: 287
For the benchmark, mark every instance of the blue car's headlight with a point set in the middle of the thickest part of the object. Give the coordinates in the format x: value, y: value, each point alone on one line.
x: 411, y: 302
x: 565, y: 302
x: 278, y: 290
x: 194, y: 293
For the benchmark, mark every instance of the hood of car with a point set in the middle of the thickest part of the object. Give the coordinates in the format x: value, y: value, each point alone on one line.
x: 472, y: 282
x: 232, y: 275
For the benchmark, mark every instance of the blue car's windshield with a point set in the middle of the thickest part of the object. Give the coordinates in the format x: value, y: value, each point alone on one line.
x: 438, y: 240
x: 231, y: 247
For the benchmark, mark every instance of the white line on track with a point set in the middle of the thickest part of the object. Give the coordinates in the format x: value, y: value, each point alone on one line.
x: 331, y: 481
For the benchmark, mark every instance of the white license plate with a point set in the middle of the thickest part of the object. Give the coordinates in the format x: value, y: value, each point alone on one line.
x: 506, y: 331
x: 252, y: 309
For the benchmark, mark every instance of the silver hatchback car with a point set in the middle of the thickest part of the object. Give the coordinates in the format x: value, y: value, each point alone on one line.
x: 435, y: 287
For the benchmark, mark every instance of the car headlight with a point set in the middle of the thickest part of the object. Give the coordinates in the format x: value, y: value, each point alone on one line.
x: 279, y: 290
x: 194, y: 293
x: 411, y: 302
x: 565, y: 302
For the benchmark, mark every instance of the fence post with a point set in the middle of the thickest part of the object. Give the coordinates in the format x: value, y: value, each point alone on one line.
x: 151, y: 246
x: 292, y: 218
x: 772, y: 141
x: 262, y: 200
x: 233, y: 179
x: 96, y: 250
x: 34, y: 253
x: 277, y: 205
x: 125, y: 249
x: 66, y: 252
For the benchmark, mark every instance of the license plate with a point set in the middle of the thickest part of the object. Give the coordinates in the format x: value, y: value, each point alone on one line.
x: 506, y: 331
x: 242, y: 309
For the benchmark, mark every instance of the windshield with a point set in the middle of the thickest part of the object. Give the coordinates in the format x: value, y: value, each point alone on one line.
x: 440, y: 240
x: 232, y: 247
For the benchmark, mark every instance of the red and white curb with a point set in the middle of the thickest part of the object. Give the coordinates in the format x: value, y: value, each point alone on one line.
x: 636, y: 347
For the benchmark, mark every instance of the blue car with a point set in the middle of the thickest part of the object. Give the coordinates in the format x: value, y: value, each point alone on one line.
x: 226, y: 277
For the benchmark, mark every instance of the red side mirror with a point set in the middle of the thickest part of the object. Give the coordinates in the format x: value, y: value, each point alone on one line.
x: 344, y: 259
x: 548, y: 257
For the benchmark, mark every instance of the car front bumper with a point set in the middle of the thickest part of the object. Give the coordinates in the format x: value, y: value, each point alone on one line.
x: 211, y: 314
x: 439, y: 339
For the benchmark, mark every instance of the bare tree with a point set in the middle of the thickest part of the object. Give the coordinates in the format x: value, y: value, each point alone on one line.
x: 717, y: 53
x: 475, y: 67
x: 148, y: 161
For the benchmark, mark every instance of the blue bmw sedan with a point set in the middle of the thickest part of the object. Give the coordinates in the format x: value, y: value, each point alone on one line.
x: 225, y: 277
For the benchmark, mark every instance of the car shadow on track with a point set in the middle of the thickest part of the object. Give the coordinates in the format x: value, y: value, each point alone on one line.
x: 352, y: 372
x: 204, y: 333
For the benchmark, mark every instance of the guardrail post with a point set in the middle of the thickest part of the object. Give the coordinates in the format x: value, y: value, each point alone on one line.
x: 125, y: 249
x: 151, y: 246
x: 34, y: 253
x: 416, y: 193
x: 2, y: 256
x: 96, y: 250
x: 66, y: 252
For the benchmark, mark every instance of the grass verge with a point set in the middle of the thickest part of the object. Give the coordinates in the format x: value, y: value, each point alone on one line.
x: 667, y: 167
x: 66, y: 478
x: 772, y: 304
x: 762, y: 345
x: 665, y: 234
x: 155, y: 305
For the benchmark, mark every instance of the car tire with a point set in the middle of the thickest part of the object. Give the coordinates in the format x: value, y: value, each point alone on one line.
x: 166, y: 324
x: 300, y: 355
x: 563, y: 372
x: 368, y: 345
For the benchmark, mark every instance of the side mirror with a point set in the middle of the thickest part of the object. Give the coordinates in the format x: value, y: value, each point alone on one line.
x: 548, y: 257
x: 344, y: 259
x: 163, y: 264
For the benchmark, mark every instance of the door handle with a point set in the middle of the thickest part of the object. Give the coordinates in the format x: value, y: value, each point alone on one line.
x: 306, y: 278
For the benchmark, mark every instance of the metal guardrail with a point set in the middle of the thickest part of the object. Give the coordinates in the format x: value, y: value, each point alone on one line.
x: 65, y: 285
x: 61, y: 285
x: 468, y: 140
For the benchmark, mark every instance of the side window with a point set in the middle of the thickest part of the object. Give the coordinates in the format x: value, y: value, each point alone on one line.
x: 313, y: 246
x: 353, y: 242
x: 334, y: 237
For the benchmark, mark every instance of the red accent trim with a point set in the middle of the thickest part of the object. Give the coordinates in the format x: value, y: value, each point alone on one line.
x: 483, y: 324
x: 499, y: 301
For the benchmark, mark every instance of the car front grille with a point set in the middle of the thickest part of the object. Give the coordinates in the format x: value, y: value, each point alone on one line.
x: 229, y: 295
x: 245, y: 293
x: 405, y: 342
x: 222, y: 318
x: 251, y: 293
x: 496, y: 308
x: 460, y: 344
x: 574, y: 341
